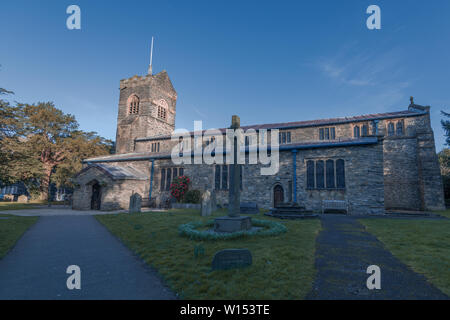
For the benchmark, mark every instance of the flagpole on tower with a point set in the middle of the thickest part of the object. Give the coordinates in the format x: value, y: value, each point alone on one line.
x: 150, y: 71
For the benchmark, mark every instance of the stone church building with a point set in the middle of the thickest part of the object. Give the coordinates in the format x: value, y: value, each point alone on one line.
x: 375, y: 161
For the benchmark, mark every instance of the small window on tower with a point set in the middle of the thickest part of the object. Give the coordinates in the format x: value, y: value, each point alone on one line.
x: 162, y: 109
x: 133, y: 104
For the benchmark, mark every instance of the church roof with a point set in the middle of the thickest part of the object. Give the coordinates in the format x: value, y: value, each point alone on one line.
x: 313, y: 123
x: 142, y: 156
x: 117, y: 172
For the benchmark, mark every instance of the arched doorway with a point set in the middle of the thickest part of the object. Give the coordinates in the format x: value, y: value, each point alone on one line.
x: 96, y: 196
x: 278, y: 195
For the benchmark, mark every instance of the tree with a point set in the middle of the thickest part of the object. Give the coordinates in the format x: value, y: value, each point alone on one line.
x: 446, y: 126
x: 83, y: 145
x: 9, y: 128
x: 444, y: 158
x: 444, y: 161
x: 48, y: 142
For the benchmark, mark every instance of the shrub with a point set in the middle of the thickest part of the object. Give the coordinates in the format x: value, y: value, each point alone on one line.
x: 192, y: 196
x: 270, y: 228
x: 179, y: 187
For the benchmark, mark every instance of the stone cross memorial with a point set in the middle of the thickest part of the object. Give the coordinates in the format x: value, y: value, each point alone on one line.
x: 135, y: 203
x: 234, y: 222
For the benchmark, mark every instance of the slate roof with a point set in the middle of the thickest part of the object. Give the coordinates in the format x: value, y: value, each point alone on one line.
x: 139, y: 156
x: 117, y: 172
x: 311, y: 123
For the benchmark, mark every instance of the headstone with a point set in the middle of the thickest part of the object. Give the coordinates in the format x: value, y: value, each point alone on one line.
x: 135, y: 203
x: 249, y: 207
x: 22, y: 199
x: 206, y: 203
x: 232, y: 258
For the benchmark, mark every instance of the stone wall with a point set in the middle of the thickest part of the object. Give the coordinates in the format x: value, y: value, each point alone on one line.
x: 401, y: 175
x: 115, y: 194
x: 364, y: 180
x: 149, y: 89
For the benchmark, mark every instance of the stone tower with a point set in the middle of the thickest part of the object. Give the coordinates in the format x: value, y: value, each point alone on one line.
x: 147, y: 107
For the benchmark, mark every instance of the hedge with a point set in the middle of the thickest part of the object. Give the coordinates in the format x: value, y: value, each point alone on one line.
x: 271, y: 228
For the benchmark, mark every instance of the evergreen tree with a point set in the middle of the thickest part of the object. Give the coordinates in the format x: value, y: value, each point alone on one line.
x: 446, y: 126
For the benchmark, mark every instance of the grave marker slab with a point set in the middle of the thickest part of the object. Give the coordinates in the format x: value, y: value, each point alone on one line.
x: 232, y: 258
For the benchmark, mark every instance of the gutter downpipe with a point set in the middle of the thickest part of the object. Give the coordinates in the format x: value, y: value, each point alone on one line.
x: 151, y: 179
x: 294, y: 165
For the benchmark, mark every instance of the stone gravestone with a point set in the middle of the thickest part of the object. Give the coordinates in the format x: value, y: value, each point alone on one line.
x: 232, y: 258
x: 22, y: 199
x: 249, y: 207
x: 135, y: 203
x: 206, y: 203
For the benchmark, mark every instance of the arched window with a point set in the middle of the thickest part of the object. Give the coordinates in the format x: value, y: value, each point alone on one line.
x: 330, y: 174
x: 400, y: 128
x: 133, y: 104
x: 340, y: 174
x: 320, y: 175
x: 356, y: 132
x: 168, y: 179
x: 162, y: 109
x: 390, y: 129
x: 365, y: 130
x: 310, y: 174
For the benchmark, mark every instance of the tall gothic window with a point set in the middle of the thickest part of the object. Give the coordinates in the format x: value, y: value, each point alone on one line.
x: 320, y: 175
x: 330, y: 174
x: 365, y: 130
x: 168, y: 178
x: 310, y: 174
x: 391, y: 131
x: 356, y: 133
x: 163, y: 179
x: 133, y: 104
x: 400, y: 128
x: 340, y: 174
x: 162, y: 109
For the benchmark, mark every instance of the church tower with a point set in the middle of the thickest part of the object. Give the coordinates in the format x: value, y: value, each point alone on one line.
x: 147, y: 107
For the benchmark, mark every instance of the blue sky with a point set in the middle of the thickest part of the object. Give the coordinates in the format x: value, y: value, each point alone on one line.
x: 273, y: 61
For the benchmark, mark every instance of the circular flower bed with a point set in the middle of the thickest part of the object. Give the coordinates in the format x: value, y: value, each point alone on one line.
x: 268, y: 228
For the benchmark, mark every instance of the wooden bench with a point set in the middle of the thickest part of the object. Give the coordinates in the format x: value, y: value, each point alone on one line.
x: 335, y: 205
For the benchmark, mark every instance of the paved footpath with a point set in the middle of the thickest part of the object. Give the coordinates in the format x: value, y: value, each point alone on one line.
x: 36, y: 267
x: 344, y: 250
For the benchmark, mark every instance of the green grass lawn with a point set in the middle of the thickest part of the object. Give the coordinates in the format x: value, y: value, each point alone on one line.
x: 11, y: 230
x: 445, y: 213
x: 283, y: 266
x: 421, y: 244
x: 8, y: 205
